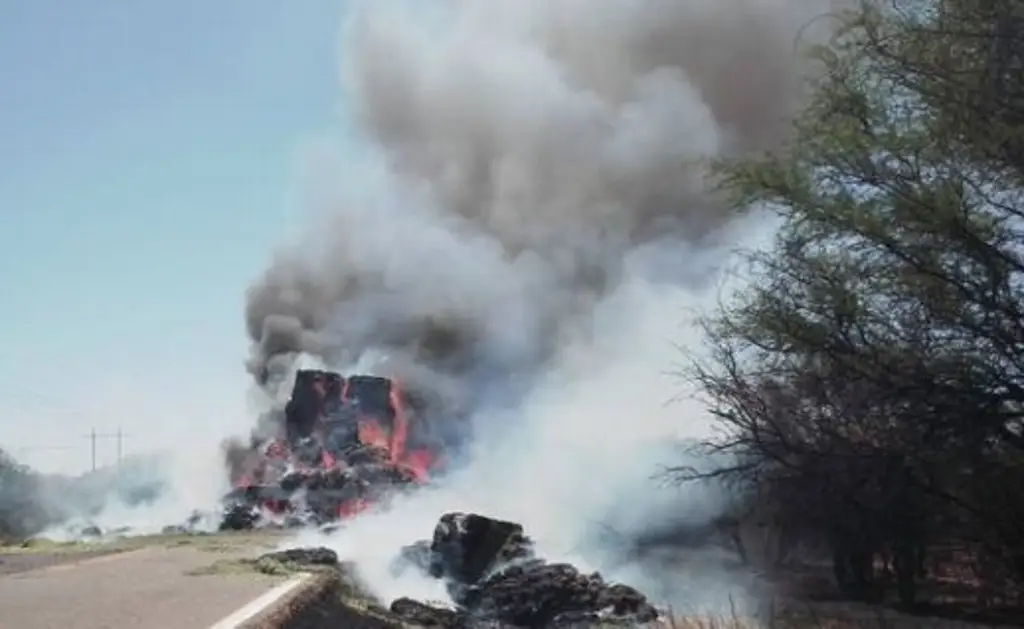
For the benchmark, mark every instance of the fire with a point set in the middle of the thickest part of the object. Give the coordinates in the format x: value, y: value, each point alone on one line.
x: 372, y: 434
x: 336, y: 429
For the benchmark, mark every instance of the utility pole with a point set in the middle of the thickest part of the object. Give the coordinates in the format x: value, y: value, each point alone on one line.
x: 93, y: 436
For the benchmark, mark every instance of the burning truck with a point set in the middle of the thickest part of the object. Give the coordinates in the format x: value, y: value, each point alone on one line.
x: 345, y: 445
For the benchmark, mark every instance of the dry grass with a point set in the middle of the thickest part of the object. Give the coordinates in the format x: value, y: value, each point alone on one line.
x: 245, y: 566
x: 218, y: 542
x: 686, y: 622
x: 215, y: 543
x: 49, y: 547
x: 261, y: 565
x: 812, y: 618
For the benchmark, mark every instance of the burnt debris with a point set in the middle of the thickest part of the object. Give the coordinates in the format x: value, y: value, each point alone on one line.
x: 346, y: 445
x: 493, y: 575
x: 494, y: 578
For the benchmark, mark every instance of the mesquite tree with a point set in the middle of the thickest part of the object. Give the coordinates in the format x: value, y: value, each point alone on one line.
x: 21, y: 513
x: 872, y: 374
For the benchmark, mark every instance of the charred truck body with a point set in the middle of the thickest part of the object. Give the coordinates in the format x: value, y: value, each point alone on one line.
x: 346, y: 444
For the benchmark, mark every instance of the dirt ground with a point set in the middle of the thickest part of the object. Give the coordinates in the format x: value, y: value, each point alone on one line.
x: 807, y: 597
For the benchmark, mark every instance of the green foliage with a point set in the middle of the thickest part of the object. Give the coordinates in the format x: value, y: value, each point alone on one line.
x: 874, y: 372
x: 21, y: 513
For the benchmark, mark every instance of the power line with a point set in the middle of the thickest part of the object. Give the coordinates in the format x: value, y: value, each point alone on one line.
x: 93, y: 436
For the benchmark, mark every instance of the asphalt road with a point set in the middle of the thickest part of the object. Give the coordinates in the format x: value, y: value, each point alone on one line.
x: 12, y: 563
x: 150, y: 588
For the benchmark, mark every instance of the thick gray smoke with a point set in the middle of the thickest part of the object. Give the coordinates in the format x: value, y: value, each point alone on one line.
x: 541, y: 220
x: 531, y: 145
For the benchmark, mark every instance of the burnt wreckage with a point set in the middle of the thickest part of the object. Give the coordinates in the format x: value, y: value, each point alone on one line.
x: 346, y: 444
x: 492, y: 574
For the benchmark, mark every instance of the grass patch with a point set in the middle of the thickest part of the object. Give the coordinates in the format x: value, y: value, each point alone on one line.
x: 51, y: 547
x: 226, y: 542
x: 213, y: 542
x: 261, y: 565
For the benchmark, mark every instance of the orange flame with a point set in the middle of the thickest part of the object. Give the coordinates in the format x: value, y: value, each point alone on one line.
x: 418, y: 462
x: 372, y: 434
x: 350, y: 508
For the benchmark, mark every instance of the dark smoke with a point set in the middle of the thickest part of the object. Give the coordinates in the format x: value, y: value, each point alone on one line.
x: 541, y: 219
x: 531, y: 148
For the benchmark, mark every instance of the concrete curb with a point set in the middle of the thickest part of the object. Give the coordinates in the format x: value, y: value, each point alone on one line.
x: 279, y: 607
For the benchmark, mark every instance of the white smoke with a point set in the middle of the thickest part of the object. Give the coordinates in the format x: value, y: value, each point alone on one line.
x: 540, y: 231
x: 574, y: 461
x: 168, y: 464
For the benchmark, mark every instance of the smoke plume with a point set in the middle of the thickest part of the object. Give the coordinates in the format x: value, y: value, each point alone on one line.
x: 530, y: 145
x: 541, y: 218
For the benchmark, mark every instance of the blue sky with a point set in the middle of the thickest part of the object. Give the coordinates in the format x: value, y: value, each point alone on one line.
x: 148, y: 153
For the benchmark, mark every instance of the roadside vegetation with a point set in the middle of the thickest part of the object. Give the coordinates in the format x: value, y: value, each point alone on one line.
x: 22, y: 512
x: 222, y: 542
x: 869, y: 380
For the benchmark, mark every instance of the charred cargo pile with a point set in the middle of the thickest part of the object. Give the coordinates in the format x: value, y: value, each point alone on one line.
x: 493, y: 575
x: 345, y: 444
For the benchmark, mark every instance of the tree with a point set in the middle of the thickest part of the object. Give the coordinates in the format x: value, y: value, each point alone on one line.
x: 21, y: 514
x: 873, y: 372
